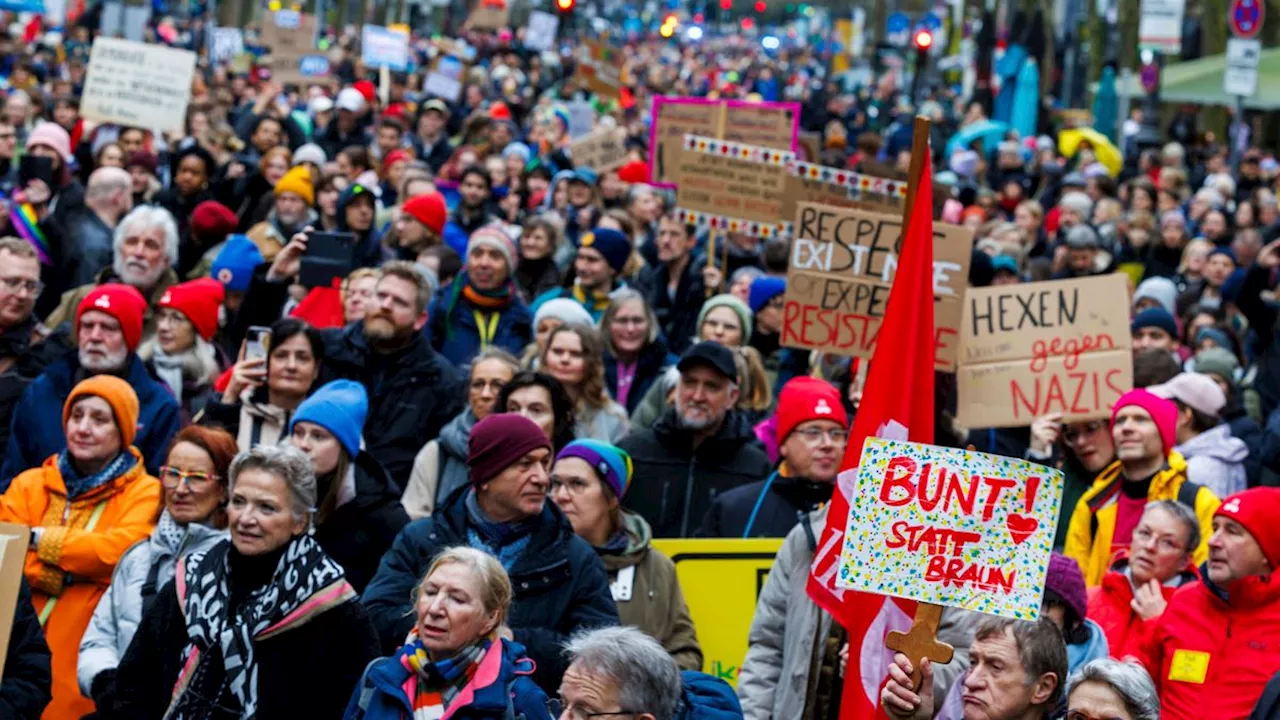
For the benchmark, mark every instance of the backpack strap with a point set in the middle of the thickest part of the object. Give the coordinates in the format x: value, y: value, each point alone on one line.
x: 1187, y: 494
x: 149, y: 587
x: 366, y: 687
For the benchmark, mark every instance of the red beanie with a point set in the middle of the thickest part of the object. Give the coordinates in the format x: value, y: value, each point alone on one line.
x: 1163, y: 412
x: 428, y: 209
x: 395, y: 156
x: 498, y: 441
x: 212, y: 222
x: 199, y: 300
x: 805, y: 398
x: 122, y: 302
x: 634, y: 172
x: 1257, y: 509
x: 499, y: 111
x: 367, y: 89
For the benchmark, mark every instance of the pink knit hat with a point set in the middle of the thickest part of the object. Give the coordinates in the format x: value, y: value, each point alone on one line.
x: 1163, y: 412
x: 51, y: 135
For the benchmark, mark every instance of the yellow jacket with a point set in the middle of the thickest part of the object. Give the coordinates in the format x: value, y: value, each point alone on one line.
x: 1093, y: 523
x: 71, y: 567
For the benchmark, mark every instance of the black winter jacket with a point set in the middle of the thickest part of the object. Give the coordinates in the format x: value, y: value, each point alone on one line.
x: 653, y: 361
x: 782, y: 505
x: 25, y: 690
x: 1262, y: 317
x: 356, y: 534
x: 560, y: 584
x: 24, y: 354
x: 678, y: 316
x: 675, y: 484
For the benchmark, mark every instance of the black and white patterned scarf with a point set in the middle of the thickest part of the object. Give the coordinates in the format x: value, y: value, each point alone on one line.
x: 306, y: 583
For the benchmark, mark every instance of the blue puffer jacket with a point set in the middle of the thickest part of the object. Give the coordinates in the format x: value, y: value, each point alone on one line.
x: 705, y: 697
x: 37, y: 420
x: 455, y: 331
x: 501, y: 688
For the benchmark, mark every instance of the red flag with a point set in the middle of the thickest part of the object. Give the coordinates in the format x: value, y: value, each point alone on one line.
x: 897, y: 403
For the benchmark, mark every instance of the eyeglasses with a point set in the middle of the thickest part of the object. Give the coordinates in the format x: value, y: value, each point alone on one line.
x: 1163, y: 542
x: 557, y: 709
x: 621, y: 320
x: 1073, y: 435
x: 576, y: 486
x: 1082, y: 715
x: 172, y: 477
x: 813, y: 436
x: 14, y: 284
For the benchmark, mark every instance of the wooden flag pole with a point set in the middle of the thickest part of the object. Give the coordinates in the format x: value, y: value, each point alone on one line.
x: 708, y: 291
x: 921, y: 641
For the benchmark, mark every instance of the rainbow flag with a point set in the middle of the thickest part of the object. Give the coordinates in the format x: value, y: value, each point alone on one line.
x: 23, y: 218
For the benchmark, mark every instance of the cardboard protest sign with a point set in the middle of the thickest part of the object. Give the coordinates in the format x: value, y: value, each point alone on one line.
x: 732, y: 180
x: 291, y: 37
x: 384, y: 47
x: 488, y: 15
x: 950, y: 527
x: 599, y: 69
x: 1061, y: 346
x: 602, y: 150
x: 771, y: 125
x: 13, y: 553
x: 447, y: 69
x: 842, y: 267
x: 540, y: 33
x: 844, y: 188
x: 138, y: 84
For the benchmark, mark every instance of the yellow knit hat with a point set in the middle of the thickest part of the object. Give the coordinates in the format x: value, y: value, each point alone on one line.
x: 298, y: 182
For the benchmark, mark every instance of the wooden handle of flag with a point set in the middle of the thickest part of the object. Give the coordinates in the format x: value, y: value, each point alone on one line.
x: 919, y: 149
x: 921, y: 641
x: 708, y: 291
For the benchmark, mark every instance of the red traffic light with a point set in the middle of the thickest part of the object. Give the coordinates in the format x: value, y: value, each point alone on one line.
x: 565, y: 6
x: 726, y: 4
x: 760, y: 6
x: 923, y: 40
x: 748, y: 23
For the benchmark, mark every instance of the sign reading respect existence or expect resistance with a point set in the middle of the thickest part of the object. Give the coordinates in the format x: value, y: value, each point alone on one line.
x: 950, y: 527
x: 133, y: 83
x: 842, y: 267
x: 1061, y: 346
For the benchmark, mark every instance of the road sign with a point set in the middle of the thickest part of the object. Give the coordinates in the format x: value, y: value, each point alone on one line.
x: 1241, y: 75
x: 1244, y: 17
x: 897, y: 22
x: 1160, y: 26
x: 931, y: 22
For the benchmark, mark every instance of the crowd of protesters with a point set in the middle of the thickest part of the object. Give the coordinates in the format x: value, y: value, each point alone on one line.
x: 431, y: 489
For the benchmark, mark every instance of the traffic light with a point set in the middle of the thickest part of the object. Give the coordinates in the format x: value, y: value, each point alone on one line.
x: 726, y: 4
x: 564, y: 7
x: 923, y: 42
x: 760, y: 6
x: 669, y: 25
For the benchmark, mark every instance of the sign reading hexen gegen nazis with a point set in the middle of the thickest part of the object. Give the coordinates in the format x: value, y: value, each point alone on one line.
x: 136, y: 84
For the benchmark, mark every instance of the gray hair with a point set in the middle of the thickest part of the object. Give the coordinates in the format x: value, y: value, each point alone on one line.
x: 287, y: 463
x: 647, y: 678
x: 1040, y: 648
x: 1079, y: 202
x: 149, y: 216
x: 1129, y: 680
x: 1184, y: 515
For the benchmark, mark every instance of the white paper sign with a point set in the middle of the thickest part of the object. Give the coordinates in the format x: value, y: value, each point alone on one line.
x: 541, y: 33
x: 582, y: 119
x: 228, y: 42
x: 139, y: 85
x: 1241, y: 74
x: 1160, y: 26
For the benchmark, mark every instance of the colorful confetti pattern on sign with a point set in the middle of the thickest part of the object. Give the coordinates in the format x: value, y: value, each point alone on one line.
x: 855, y: 182
x: 738, y: 151
x: 723, y: 222
x: 1000, y: 572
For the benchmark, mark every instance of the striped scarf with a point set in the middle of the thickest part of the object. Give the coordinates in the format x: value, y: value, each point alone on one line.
x: 434, y: 684
x: 485, y: 301
x: 594, y: 302
x: 78, y: 484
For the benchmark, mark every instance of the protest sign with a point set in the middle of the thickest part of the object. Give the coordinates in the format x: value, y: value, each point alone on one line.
x: 138, y: 84
x: 842, y: 267
x: 721, y: 581
x: 227, y: 43
x: 951, y: 527
x: 732, y: 180
x: 582, y: 118
x: 291, y: 37
x: 13, y: 554
x: 384, y: 47
x: 599, y: 69
x: 540, y: 34
x: 771, y: 125
x: 1061, y: 346
x: 843, y: 188
x: 489, y: 15
x: 602, y: 150
x: 445, y: 79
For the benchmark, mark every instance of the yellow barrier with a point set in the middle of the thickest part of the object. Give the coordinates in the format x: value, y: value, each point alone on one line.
x: 721, y: 580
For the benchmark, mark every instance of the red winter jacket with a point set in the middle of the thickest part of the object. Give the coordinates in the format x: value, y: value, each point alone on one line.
x: 1109, y: 606
x: 1210, y: 657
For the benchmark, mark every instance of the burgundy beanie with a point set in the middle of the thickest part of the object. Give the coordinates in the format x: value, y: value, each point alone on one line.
x: 1257, y: 509
x: 1065, y: 580
x: 498, y: 441
x: 1163, y: 412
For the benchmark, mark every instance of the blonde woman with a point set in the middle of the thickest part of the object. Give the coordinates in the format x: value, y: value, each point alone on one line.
x: 574, y: 356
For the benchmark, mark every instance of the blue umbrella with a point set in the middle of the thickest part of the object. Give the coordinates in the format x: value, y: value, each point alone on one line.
x: 1026, y: 99
x: 1007, y: 69
x: 1104, y: 104
x: 989, y: 131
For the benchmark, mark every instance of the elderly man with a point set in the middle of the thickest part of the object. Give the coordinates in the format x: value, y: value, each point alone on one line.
x: 1214, y: 648
x: 24, y: 350
x: 1146, y: 469
x: 294, y: 196
x: 145, y: 247
x: 1016, y: 672
x: 622, y: 671
x: 89, y: 243
x: 560, y: 583
x: 108, y: 325
x: 698, y: 449
x: 1135, y: 592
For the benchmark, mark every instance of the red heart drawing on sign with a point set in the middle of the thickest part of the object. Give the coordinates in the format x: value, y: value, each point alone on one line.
x: 1021, y: 527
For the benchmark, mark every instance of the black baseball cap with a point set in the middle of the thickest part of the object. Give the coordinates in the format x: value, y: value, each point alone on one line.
x: 712, y: 355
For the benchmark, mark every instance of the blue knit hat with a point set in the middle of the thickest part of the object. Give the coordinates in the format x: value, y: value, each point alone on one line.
x: 612, y: 464
x: 1155, y: 317
x: 764, y: 289
x: 339, y: 407
x: 612, y: 244
x: 233, y: 267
